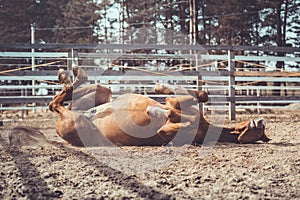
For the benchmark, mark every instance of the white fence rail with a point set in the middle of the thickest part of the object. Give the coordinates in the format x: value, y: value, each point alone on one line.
x: 192, y: 71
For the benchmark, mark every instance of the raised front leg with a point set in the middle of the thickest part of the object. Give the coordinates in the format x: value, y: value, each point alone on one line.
x: 80, y: 76
x: 173, y: 115
x: 64, y: 78
x: 191, y: 98
x: 83, y: 98
x: 168, y: 131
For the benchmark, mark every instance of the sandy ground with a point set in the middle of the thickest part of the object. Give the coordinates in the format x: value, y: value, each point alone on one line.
x: 57, y: 170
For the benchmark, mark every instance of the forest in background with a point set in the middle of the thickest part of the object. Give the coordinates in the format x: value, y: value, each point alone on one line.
x: 203, y: 22
x: 217, y: 22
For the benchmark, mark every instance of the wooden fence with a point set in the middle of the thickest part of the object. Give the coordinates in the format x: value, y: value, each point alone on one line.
x: 233, y: 81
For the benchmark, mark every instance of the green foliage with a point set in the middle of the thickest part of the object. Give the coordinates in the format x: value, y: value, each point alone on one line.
x: 14, y: 25
x: 218, y: 22
x: 230, y: 22
x: 57, y: 21
x: 81, y: 17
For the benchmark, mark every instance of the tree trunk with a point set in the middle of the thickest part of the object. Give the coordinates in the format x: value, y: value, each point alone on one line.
x: 129, y: 33
x: 280, y: 43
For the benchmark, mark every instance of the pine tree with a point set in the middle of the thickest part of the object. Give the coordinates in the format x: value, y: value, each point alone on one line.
x: 49, y: 13
x: 78, y: 22
x: 15, y: 20
x: 54, y: 21
x: 280, y: 20
x: 140, y: 20
x: 229, y: 22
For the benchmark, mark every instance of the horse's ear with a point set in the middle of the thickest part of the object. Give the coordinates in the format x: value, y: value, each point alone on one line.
x: 63, y: 76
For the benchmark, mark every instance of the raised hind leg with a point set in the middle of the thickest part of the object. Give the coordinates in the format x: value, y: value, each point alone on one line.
x: 90, y: 96
x: 79, y: 77
x: 86, y: 97
x: 64, y: 78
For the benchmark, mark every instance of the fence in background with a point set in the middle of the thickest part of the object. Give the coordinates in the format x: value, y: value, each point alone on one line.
x: 233, y: 81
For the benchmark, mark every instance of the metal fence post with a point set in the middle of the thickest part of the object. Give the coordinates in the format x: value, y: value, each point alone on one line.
x: 258, y: 104
x: 69, y: 63
x: 231, y: 85
x: 200, y: 88
x: 75, y: 57
x: 73, y: 61
x: 32, y: 29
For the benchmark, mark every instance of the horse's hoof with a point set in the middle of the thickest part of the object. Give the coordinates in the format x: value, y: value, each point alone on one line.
x: 63, y: 77
x: 53, y: 105
x: 50, y: 106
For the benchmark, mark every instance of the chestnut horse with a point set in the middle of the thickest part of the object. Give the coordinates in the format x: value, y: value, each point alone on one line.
x: 94, y: 119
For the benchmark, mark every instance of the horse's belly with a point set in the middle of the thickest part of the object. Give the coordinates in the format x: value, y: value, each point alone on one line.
x: 127, y: 131
x: 125, y: 121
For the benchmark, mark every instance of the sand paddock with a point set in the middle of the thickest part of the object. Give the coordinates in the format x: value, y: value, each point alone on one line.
x: 56, y: 170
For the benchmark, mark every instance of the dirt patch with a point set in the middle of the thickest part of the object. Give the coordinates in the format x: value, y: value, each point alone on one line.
x: 225, y: 171
x: 25, y: 136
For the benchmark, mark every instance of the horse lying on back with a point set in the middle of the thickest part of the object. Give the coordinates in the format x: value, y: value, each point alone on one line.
x: 137, y: 120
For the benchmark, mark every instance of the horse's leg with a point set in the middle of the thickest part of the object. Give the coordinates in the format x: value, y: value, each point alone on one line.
x: 90, y: 96
x: 66, y: 127
x: 168, y: 131
x: 64, y: 95
x: 87, y: 96
x: 201, y: 96
x: 78, y: 130
x: 180, y: 102
x: 64, y: 78
x: 103, y: 94
x: 175, y: 115
x: 79, y: 76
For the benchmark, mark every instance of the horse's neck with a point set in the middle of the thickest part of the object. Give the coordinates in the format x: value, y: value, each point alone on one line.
x: 227, y: 135
x: 218, y: 133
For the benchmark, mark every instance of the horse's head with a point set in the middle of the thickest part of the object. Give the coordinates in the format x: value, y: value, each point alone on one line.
x: 253, y: 131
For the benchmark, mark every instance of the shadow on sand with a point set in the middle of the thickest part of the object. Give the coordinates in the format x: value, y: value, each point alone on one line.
x: 35, y: 186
